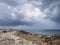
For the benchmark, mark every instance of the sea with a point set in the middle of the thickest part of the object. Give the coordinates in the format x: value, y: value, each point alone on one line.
x: 44, y: 31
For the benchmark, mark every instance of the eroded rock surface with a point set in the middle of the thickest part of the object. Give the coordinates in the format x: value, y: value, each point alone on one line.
x: 16, y: 37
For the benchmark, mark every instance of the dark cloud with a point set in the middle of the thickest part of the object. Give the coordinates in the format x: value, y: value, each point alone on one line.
x: 13, y: 23
x: 54, y: 14
x: 8, y: 19
x: 57, y: 17
x: 10, y: 2
x: 47, y: 3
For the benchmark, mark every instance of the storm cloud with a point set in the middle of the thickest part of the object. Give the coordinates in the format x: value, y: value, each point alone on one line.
x: 30, y: 13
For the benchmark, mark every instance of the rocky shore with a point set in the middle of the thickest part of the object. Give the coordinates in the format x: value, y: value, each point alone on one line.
x: 20, y: 37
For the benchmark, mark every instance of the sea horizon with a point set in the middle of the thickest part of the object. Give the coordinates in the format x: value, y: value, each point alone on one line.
x: 41, y: 31
x: 44, y: 31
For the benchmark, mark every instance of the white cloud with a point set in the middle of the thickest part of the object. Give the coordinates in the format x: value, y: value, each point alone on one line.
x: 13, y: 16
x: 30, y: 12
x: 9, y: 7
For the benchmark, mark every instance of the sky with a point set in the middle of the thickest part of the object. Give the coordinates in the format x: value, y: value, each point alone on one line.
x: 30, y: 14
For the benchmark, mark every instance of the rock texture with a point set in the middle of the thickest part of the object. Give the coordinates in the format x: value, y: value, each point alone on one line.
x: 16, y: 37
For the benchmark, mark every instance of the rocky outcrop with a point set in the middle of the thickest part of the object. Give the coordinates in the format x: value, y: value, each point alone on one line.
x: 16, y: 37
x: 13, y: 38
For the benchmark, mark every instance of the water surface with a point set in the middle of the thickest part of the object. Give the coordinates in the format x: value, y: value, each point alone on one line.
x: 45, y: 32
